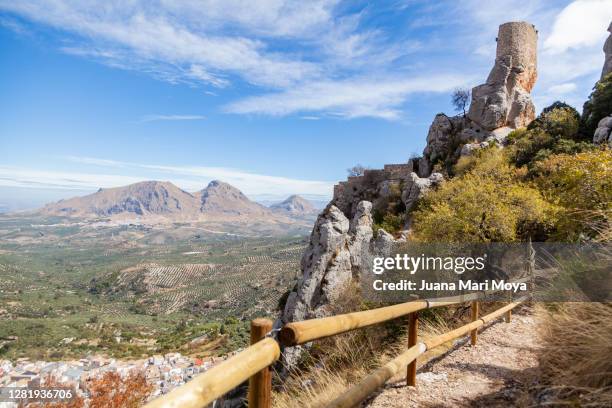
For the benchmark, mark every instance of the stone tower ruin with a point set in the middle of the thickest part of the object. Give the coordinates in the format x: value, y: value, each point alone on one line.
x: 504, y: 100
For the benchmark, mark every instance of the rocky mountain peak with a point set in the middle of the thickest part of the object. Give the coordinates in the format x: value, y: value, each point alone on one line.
x: 138, y: 199
x: 295, y: 205
x: 221, y: 197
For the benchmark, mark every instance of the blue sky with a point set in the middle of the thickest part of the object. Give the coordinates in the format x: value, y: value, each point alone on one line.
x: 274, y: 96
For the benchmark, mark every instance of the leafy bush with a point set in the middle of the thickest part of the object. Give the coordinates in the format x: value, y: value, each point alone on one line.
x: 554, y: 131
x: 597, y: 107
x: 391, y: 223
x: 488, y: 203
x: 582, y: 185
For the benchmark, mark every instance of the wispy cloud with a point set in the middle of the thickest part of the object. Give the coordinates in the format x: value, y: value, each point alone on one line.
x: 291, y: 51
x: 154, y: 118
x: 348, y: 99
x: 94, y: 161
x: 190, y: 178
x: 562, y: 89
x: 321, y: 55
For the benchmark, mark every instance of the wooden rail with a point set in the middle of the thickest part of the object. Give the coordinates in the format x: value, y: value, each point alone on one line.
x: 305, y: 331
x: 253, y: 363
x: 360, y: 391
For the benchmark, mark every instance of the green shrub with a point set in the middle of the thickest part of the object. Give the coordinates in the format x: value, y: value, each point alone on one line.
x: 597, y: 107
x: 391, y: 223
x: 582, y: 185
x: 487, y: 203
x: 554, y: 131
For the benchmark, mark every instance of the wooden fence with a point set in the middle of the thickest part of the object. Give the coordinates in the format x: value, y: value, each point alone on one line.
x: 254, y: 362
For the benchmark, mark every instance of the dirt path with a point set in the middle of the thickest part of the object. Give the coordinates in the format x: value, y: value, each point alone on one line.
x: 495, y: 372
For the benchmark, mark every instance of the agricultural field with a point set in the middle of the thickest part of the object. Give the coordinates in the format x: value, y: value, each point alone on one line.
x: 69, y: 289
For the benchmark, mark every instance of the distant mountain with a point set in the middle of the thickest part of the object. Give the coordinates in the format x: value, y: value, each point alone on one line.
x: 144, y: 199
x: 163, y: 201
x: 222, y: 198
x: 295, y: 206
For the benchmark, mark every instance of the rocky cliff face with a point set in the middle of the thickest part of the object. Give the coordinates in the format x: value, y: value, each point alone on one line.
x: 342, y: 239
x: 603, y: 133
x: 607, y: 68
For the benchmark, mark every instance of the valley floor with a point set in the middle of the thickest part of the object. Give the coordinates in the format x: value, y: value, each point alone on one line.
x: 496, y: 372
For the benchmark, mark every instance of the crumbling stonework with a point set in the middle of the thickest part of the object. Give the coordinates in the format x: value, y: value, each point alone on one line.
x: 376, y: 186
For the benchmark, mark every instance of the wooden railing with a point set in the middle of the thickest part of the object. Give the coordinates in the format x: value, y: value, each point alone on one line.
x: 254, y: 362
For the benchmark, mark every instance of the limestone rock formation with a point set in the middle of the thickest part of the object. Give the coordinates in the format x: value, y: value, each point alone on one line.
x: 603, y: 133
x: 498, y: 106
x: 342, y: 239
x: 607, y: 68
x: 333, y: 257
x: 420, y: 185
x: 504, y: 100
x: 439, y: 137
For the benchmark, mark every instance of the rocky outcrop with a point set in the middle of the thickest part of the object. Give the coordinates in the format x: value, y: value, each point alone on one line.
x: 342, y: 239
x: 334, y: 256
x: 504, y: 100
x: 603, y: 133
x: 337, y: 253
x: 607, y: 49
x: 498, y: 106
x: 440, y: 139
x: 419, y: 186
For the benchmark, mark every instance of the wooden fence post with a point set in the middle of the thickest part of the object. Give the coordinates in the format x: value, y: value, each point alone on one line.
x: 260, y: 384
x: 475, y: 311
x: 508, y: 316
x: 413, y: 327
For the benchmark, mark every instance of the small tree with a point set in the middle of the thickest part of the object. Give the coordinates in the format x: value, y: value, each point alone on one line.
x: 356, y: 170
x: 460, y: 99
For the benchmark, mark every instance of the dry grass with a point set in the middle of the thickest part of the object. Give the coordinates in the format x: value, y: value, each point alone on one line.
x: 575, y: 358
x: 335, y: 363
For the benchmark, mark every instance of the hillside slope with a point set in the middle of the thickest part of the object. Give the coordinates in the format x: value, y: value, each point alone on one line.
x: 144, y: 199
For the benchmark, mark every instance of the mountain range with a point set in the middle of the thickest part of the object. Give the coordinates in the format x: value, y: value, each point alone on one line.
x: 163, y: 201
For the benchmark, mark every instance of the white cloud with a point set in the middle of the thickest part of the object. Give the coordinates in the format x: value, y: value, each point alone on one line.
x: 291, y: 48
x: 31, y: 178
x: 190, y: 178
x: 348, y: 99
x: 141, y: 33
x: 154, y: 118
x: 562, y: 89
x: 94, y: 161
x: 582, y: 23
x: 317, y: 56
